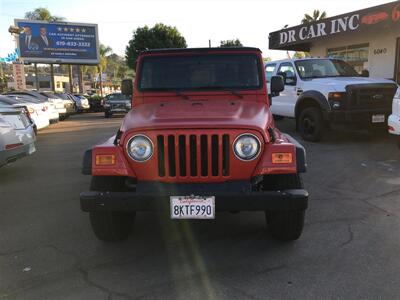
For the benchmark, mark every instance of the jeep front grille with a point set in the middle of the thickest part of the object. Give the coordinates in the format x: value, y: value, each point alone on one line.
x: 193, y: 155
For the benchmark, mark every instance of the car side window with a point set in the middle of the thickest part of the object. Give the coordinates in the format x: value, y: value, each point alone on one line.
x: 288, y: 73
x: 269, y: 71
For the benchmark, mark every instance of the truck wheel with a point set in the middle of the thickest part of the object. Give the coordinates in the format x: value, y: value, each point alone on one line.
x: 109, y: 225
x: 284, y: 225
x: 311, y: 124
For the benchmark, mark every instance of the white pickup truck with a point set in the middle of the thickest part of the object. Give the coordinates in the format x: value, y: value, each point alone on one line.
x: 394, y: 118
x: 323, y: 91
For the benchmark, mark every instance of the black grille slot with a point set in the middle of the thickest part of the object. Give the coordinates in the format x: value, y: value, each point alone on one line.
x: 161, y: 155
x: 365, y: 97
x: 182, y: 155
x: 214, y: 155
x: 204, y: 155
x: 171, y: 156
x: 193, y: 155
x: 225, y: 155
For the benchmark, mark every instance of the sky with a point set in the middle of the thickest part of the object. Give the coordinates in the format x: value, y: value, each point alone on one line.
x: 197, y: 20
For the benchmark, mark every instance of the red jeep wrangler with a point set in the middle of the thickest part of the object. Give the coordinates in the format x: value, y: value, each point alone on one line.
x: 200, y: 138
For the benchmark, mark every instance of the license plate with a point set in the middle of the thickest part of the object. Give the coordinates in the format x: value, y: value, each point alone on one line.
x: 192, y: 207
x: 378, y: 118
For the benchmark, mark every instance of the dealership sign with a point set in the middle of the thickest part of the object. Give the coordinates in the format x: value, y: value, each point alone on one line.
x: 44, y: 42
x: 381, y: 16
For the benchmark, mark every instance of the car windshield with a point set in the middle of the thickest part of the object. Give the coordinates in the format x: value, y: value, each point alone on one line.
x: 114, y: 97
x: 320, y: 68
x: 196, y: 72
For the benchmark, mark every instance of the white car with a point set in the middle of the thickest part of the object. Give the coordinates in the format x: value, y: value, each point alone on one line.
x: 35, y: 109
x: 322, y: 91
x: 50, y: 104
x: 394, y: 118
x: 17, y: 137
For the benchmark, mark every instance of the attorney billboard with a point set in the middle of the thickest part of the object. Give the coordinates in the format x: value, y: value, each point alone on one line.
x: 70, y: 43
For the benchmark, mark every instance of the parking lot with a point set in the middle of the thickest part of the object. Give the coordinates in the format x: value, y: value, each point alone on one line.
x: 349, y: 249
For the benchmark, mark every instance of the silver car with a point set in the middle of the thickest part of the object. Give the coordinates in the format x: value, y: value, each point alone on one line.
x: 17, y: 136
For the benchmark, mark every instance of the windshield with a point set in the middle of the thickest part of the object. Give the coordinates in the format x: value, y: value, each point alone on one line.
x: 319, y: 68
x: 114, y: 97
x: 194, y: 72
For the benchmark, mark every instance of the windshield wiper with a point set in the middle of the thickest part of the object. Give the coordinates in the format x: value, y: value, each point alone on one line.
x: 222, y: 88
x: 179, y: 93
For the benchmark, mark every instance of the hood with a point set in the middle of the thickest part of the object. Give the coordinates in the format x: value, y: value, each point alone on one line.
x: 339, y: 83
x: 199, y: 114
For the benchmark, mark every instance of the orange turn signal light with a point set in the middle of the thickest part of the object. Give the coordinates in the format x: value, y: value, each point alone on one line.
x: 282, y: 158
x: 105, y: 159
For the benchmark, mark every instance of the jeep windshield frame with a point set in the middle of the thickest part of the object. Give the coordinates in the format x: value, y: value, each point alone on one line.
x: 200, y: 72
x: 324, y: 68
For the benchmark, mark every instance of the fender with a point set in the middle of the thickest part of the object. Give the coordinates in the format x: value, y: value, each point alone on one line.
x: 317, y: 97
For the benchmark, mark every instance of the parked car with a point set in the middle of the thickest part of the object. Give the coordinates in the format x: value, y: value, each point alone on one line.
x: 17, y: 136
x: 33, y: 111
x: 320, y: 92
x: 200, y: 140
x: 51, y: 104
x: 394, y: 118
x: 68, y: 104
x: 116, y: 103
x: 82, y: 103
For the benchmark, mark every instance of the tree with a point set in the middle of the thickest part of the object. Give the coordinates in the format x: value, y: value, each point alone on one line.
x: 43, y: 14
x: 231, y: 43
x: 316, y: 16
x: 300, y: 54
x: 158, y: 37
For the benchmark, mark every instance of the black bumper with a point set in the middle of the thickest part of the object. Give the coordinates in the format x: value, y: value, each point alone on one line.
x: 253, y: 201
x: 361, y: 117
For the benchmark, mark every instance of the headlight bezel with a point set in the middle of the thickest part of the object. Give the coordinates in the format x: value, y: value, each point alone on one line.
x: 252, y: 158
x: 129, y: 152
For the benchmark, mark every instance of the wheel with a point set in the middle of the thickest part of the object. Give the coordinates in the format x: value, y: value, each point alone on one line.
x: 284, y: 225
x: 278, y: 118
x: 110, y: 226
x: 311, y: 124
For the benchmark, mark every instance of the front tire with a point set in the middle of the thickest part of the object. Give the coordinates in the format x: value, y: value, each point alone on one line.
x: 311, y: 124
x: 284, y: 225
x: 110, y: 226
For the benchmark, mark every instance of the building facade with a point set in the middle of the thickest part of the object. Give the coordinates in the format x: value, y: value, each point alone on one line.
x: 368, y: 39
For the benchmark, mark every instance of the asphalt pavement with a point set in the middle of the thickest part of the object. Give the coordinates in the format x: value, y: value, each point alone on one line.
x: 350, y: 247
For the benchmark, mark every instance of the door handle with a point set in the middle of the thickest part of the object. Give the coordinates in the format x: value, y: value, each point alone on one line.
x: 299, y: 91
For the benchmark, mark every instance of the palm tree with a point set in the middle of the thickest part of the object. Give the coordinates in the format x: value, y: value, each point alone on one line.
x: 104, y: 51
x: 316, y: 16
x: 43, y: 14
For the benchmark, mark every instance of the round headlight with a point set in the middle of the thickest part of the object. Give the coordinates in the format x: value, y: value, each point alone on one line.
x: 140, y: 148
x: 246, y: 146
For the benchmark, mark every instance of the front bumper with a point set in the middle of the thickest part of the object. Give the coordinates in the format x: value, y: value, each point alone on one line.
x: 394, y: 124
x: 361, y: 116
x: 224, y: 201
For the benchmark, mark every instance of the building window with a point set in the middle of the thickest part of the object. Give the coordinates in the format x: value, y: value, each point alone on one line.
x: 44, y: 84
x: 354, y: 55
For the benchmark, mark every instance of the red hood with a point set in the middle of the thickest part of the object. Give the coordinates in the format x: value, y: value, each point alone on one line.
x: 199, y: 114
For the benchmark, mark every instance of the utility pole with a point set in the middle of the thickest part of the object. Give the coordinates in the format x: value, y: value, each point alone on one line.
x: 71, y: 83
x: 36, y: 77
x: 53, y: 86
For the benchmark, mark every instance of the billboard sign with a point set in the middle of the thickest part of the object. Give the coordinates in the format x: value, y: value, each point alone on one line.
x: 19, y: 76
x: 375, y: 19
x: 70, y: 43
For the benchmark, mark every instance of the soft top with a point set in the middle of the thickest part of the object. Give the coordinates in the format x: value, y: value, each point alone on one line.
x: 205, y: 50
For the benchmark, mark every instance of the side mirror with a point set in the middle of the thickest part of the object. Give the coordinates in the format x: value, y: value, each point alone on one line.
x: 277, y: 85
x: 127, y: 87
